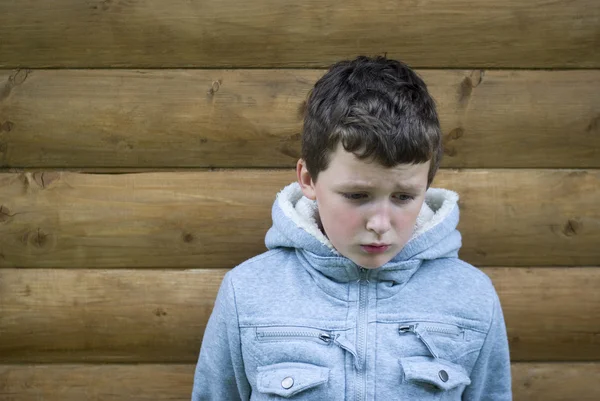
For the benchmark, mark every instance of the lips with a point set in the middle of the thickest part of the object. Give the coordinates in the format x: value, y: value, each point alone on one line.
x: 375, y: 248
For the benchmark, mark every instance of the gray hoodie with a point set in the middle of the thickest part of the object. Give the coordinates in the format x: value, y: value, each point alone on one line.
x: 303, y: 322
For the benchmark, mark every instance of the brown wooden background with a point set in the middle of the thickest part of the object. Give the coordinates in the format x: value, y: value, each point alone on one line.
x: 142, y: 143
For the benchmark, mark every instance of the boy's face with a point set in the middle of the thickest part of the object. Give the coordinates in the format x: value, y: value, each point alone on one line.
x: 367, y: 211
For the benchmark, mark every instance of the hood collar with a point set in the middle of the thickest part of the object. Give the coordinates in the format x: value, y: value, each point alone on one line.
x: 295, y: 225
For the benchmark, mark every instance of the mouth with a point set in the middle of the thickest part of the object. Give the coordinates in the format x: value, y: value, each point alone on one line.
x: 375, y: 248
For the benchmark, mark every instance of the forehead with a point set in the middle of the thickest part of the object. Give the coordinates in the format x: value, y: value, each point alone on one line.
x: 347, y: 170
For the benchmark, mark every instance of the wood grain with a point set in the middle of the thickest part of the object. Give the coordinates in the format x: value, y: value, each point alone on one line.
x: 85, y: 382
x: 60, y: 315
x: 313, y: 33
x: 219, y: 218
x: 56, y: 315
x: 531, y: 381
x: 82, y: 119
x: 537, y: 304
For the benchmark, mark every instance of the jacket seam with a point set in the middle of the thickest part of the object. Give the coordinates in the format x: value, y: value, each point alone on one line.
x: 303, y: 261
x: 267, y: 254
x: 431, y: 321
x: 457, y: 357
x: 283, y: 324
x: 493, y: 314
x: 237, y: 322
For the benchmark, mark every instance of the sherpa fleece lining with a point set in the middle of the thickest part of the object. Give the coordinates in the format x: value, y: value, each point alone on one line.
x: 303, y: 211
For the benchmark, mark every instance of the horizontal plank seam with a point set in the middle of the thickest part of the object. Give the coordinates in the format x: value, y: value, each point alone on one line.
x: 191, y: 363
x: 324, y: 67
x: 141, y: 170
x: 122, y: 269
x: 214, y: 269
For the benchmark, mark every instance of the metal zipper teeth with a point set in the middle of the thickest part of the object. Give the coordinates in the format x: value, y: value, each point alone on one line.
x: 431, y: 329
x: 363, y: 301
x: 323, y: 336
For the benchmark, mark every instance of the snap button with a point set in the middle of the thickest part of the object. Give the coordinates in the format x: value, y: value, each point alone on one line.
x: 443, y: 375
x: 286, y: 383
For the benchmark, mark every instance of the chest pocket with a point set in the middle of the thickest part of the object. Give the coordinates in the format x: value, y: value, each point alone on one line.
x: 291, y: 378
x: 296, y: 362
x: 442, y: 340
x: 433, y: 379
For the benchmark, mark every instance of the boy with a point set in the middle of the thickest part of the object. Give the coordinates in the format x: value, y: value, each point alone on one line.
x: 361, y: 295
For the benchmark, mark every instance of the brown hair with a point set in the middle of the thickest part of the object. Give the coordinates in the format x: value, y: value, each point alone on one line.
x: 377, y: 108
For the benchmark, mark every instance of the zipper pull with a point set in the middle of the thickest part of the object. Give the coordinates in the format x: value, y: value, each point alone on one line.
x: 362, y: 278
x: 325, y: 337
x: 421, y: 335
x: 343, y: 343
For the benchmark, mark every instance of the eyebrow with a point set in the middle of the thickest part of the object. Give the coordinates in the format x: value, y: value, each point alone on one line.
x: 354, y: 186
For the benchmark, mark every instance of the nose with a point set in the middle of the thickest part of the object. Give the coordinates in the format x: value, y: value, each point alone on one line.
x: 379, y: 221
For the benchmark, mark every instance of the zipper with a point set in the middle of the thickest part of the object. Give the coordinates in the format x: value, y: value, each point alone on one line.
x: 450, y: 331
x: 282, y: 334
x: 361, y: 340
x: 421, y: 334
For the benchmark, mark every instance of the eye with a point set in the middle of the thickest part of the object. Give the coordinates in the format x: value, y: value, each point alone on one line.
x: 355, y: 196
x: 403, y: 198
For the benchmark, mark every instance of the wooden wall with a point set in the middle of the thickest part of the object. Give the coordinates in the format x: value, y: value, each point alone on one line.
x: 142, y: 143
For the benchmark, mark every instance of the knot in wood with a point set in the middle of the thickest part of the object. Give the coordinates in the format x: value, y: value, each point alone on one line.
x: 160, y: 312
x: 572, y: 228
x: 6, y: 126
x: 5, y: 215
x: 39, y: 238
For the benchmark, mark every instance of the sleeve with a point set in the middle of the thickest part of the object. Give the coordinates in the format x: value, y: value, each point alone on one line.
x: 491, y: 375
x: 220, y: 371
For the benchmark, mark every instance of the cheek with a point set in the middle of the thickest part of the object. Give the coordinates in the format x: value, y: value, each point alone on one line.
x: 341, y: 221
x: 406, y: 220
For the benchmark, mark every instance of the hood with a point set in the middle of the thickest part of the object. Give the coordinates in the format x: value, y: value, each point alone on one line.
x: 295, y: 226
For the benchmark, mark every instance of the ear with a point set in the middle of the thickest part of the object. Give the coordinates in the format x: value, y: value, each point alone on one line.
x: 305, y: 180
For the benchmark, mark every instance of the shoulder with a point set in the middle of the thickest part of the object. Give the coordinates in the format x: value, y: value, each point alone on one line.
x: 271, y: 268
x: 458, y: 288
x: 261, y: 264
x: 267, y: 285
x: 458, y: 270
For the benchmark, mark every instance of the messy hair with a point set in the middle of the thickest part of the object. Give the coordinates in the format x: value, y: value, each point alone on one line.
x: 378, y: 109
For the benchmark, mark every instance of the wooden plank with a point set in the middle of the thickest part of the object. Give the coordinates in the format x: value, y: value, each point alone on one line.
x: 55, y: 315
x: 218, y: 219
x: 531, y: 381
x: 528, y: 217
x: 556, y: 381
x: 537, y: 304
x: 61, y: 315
x: 250, y: 118
x: 96, y: 382
x: 288, y: 33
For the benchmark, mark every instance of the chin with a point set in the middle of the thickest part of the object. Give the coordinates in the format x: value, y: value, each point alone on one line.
x: 371, y: 267
x: 372, y: 264
x: 367, y: 262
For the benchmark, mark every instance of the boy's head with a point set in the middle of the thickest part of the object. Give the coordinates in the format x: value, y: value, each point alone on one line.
x: 371, y: 146
x: 376, y: 108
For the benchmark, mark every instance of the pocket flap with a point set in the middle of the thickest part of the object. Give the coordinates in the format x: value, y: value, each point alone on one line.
x: 437, y: 372
x: 289, y: 378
